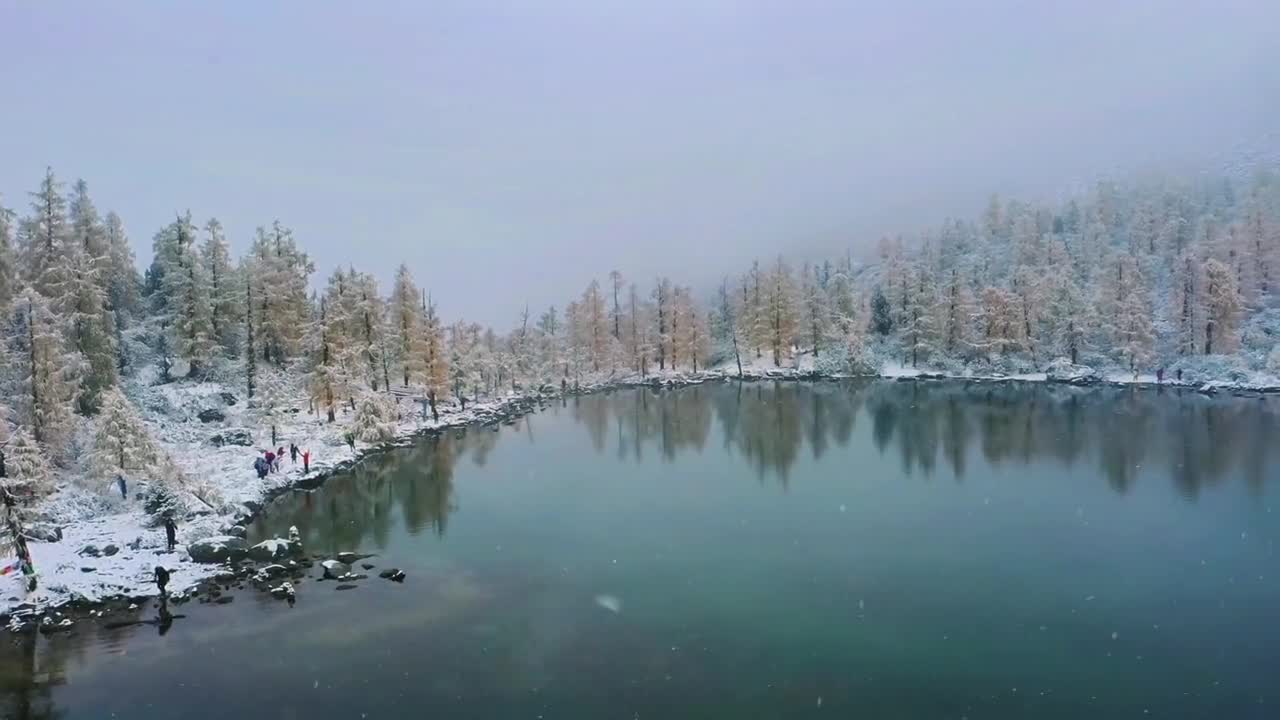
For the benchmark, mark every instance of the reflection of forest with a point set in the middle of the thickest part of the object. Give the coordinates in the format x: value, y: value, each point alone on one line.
x: 33, y: 665
x: 1198, y: 440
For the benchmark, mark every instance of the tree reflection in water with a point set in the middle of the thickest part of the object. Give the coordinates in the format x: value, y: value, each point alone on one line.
x: 928, y: 425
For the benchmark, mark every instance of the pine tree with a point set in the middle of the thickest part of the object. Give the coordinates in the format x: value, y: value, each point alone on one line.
x: 881, y: 313
x: 436, y: 362
x: 90, y: 326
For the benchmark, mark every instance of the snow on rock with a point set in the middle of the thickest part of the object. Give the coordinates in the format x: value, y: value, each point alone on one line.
x: 1063, y: 371
x: 268, y: 550
x: 334, y: 569
x: 218, y: 549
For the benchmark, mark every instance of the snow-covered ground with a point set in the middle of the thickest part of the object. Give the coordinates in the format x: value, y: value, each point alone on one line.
x: 79, y: 567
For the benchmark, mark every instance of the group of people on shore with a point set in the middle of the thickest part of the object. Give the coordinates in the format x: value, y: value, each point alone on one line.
x: 269, y: 461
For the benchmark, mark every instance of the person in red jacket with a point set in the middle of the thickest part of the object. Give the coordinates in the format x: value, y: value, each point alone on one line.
x: 306, y: 461
x: 270, y: 457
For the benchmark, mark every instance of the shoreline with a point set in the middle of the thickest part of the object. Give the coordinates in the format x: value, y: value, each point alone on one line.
x: 200, y: 578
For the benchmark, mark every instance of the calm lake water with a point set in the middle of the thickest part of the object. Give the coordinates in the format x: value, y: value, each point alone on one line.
x: 871, y: 550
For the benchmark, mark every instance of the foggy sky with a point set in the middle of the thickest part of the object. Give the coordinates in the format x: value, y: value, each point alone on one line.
x: 509, y: 151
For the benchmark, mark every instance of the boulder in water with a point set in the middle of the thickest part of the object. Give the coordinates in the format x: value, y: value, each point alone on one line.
x: 269, y: 550
x: 334, y: 569
x: 346, y: 586
x: 394, y: 574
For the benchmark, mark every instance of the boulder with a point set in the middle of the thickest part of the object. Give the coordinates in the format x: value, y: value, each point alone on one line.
x: 211, y: 415
x: 348, y: 558
x: 227, y: 398
x: 1063, y: 371
x: 334, y: 569
x: 110, y: 550
x: 268, y: 550
x: 225, y: 599
x: 367, y: 566
x: 44, y: 532
x: 241, y: 437
x: 234, y: 531
x: 346, y: 586
x: 284, y: 591
x: 392, y: 574
x: 218, y: 549
x: 90, y: 550
x: 273, y: 570
x: 226, y: 577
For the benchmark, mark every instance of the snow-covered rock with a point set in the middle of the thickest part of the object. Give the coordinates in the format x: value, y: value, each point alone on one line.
x: 1063, y: 371
x: 217, y: 549
x: 45, y: 532
x: 334, y: 569
x: 268, y: 550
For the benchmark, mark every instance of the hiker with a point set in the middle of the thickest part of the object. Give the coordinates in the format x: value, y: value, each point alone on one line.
x: 1179, y: 374
x: 162, y: 580
x: 270, y: 457
x: 351, y: 440
x: 170, y: 531
x: 260, y: 466
x: 124, y: 489
x: 306, y: 462
x: 293, y: 453
x: 1160, y: 376
x: 279, y: 457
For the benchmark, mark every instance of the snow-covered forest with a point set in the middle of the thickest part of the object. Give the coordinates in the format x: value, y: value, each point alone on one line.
x: 1180, y: 275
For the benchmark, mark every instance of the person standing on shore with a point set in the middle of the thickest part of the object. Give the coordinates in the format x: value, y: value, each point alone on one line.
x: 279, y: 457
x: 124, y: 489
x: 270, y: 457
x: 293, y: 453
x: 1160, y: 376
x: 170, y: 531
x: 162, y: 582
x: 306, y: 462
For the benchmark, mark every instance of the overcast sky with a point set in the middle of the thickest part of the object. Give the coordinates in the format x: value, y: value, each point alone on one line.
x: 509, y: 151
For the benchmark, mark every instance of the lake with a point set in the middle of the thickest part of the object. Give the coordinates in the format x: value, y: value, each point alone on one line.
x: 759, y: 550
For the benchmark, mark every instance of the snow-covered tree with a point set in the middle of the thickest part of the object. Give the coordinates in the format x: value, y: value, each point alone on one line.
x: 8, y: 258
x: 436, y: 361
x: 406, y: 318
x: 48, y: 373
x: 224, y: 289
x: 28, y: 474
x: 124, y: 286
x: 42, y: 237
x: 121, y: 444
x: 280, y: 273
x: 782, y: 316
x: 374, y: 419
x: 1222, y: 308
x: 181, y: 293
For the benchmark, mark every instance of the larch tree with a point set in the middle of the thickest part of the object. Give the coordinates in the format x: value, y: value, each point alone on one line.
x: 28, y: 472
x: 595, y: 329
x: 280, y: 272
x: 42, y: 237
x: 48, y: 381
x: 662, y: 316
x: 1185, y: 306
x: 184, y: 293
x: 406, y: 317
x: 327, y: 380
x: 224, y: 288
x: 436, y: 362
x: 8, y: 258
x: 781, y: 310
x: 121, y: 443
x: 124, y: 286
x: 615, y: 315
x: 1221, y: 308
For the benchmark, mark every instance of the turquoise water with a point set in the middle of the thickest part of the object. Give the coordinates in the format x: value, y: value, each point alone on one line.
x: 880, y: 550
